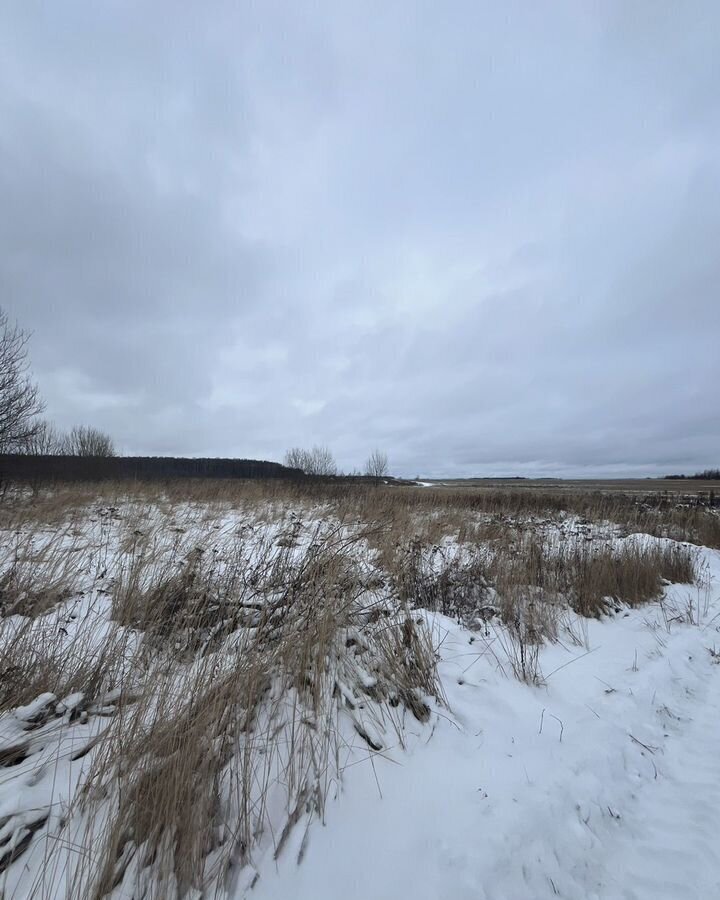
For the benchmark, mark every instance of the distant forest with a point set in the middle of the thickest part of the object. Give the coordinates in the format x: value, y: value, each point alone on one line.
x: 53, y: 467
x: 707, y: 475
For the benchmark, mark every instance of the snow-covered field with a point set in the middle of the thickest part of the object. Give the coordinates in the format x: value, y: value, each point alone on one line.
x: 602, y: 783
x: 324, y: 708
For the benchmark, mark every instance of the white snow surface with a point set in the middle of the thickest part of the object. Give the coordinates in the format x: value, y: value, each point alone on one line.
x: 603, y: 783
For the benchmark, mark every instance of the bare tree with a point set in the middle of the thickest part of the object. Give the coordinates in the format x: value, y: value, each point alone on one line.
x: 318, y: 461
x: 322, y: 462
x: 20, y: 402
x: 83, y: 440
x: 377, y: 465
x: 47, y: 440
x: 296, y: 458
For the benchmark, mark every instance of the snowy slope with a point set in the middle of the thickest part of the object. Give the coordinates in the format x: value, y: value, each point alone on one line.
x: 604, y: 783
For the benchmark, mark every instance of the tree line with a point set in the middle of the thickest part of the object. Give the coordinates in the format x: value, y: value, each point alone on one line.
x: 319, y: 462
x: 31, y: 446
x: 22, y: 428
x: 706, y: 475
x: 33, y: 468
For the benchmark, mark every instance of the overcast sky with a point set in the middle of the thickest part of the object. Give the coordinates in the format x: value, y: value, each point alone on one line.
x: 482, y: 236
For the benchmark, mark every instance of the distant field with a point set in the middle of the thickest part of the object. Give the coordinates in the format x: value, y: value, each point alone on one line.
x: 687, y: 486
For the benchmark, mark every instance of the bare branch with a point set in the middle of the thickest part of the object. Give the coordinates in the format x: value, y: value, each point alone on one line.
x: 47, y: 440
x: 83, y: 440
x: 377, y: 465
x: 318, y: 461
x: 20, y: 403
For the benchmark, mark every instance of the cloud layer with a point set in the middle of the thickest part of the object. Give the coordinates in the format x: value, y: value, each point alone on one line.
x: 480, y: 236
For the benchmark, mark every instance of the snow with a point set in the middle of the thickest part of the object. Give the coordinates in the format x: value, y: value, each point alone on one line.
x: 603, y: 783
x: 32, y: 710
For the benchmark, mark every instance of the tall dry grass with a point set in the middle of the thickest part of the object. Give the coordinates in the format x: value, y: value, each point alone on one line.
x: 194, y: 763
x: 680, y: 517
x: 223, y: 645
x: 231, y: 676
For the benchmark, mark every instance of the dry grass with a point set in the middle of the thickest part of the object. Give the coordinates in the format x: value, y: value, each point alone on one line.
x: 676, y: 515
x: 194, y: 762
x: 236, y: 638
x: 37, y: 573
x: 592, y: 579
x: 229, y: 680
x: 36, y: 658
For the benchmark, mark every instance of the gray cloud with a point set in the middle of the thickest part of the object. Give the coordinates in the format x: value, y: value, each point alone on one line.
x: 481, y: 236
